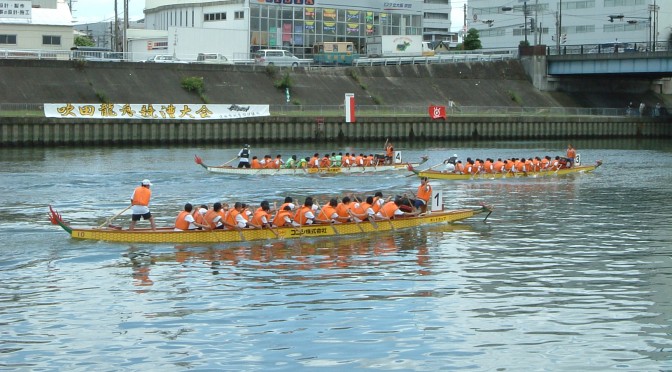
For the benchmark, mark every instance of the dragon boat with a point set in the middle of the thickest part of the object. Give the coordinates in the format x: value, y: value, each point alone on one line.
x: 168, y: 235
x: 299, y: 171
x: 439, y: 175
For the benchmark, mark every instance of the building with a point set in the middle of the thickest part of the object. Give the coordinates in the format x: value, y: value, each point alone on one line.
x: 237, y: 28
x: 37, y: 26
x: 507, y: 23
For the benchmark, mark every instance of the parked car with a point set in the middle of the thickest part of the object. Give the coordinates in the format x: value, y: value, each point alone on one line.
x: 276, y: 57
x: 164, y: 58
x: 213, y: 58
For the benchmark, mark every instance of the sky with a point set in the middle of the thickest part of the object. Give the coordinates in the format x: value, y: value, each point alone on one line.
x: 92, y: 11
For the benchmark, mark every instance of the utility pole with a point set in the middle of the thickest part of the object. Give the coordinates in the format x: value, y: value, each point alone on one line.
x: 525, y: 22
x: 464, y: 27
x: 115, y: 37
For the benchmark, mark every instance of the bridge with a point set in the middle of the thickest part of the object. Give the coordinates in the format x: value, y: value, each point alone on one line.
x: 625, y: 59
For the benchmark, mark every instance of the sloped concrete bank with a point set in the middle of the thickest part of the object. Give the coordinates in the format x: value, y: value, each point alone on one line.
x: 20, y: 132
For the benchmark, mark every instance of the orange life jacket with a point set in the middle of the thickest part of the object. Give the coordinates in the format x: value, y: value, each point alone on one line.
x: 301, y: 215
x: 258, y: 215
x: 230, y: 218
x: 325, y: 162
x: 359, y: 161
x: 376, y: 206
x: 326, y: 213
x: 571, y: 153
x: 424, y: 192
x: 180, y: 222
x: 388, y: 209
x: 279, y: 219
x: 210, y: 216
x: 342, y: 209
x: 487, y: 166
x: 498, y: 166
x: 198, y: 217
x: 141, y: 196
x: 255, y: 164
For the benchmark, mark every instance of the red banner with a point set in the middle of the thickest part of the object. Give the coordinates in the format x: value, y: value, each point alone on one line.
x: 437, y: 112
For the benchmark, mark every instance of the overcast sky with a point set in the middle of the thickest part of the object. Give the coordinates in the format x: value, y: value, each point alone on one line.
x: 91, y: 11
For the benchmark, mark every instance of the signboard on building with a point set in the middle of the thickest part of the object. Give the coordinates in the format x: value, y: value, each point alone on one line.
x: 16, y: 9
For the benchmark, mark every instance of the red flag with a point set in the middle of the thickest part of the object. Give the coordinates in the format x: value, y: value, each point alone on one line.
x: 437, y: 112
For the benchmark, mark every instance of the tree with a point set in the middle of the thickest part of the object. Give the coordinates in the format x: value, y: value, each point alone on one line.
x: 84, y: 41
x: 472, y: 40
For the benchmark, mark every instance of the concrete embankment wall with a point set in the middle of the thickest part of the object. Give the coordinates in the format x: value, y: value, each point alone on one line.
x: 18, y: 132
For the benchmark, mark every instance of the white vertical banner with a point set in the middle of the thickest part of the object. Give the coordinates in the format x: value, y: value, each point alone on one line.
x: 436, y: 203
x: 397, y: 157
x: 350, y: 107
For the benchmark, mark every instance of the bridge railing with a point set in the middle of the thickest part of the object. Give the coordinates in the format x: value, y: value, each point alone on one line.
x: 611, y: 48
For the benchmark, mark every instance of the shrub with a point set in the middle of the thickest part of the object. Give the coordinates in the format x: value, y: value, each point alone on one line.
x: 193, y: 84
x: 284, y: 82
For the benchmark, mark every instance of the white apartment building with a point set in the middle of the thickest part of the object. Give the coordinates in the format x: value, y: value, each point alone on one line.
x: 244, y: 26
x: 505, y: 23
x: 44, y: 25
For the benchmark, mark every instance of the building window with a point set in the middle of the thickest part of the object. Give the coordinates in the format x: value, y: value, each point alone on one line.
x: 239, y: 15
x: 8, y: 39
x: 51, y: 40
x: 214, y: 17
x: 440, y: 16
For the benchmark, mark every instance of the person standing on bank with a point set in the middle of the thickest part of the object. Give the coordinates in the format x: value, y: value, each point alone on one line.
x: 244, y: 157
x: 140, y: 204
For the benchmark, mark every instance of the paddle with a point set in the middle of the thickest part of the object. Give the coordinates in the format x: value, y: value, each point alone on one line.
x: 107, y: 222
x: 417, y: 173
x: 229, y: 161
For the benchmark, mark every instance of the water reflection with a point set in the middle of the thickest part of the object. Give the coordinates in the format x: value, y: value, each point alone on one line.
x: 302, y: 254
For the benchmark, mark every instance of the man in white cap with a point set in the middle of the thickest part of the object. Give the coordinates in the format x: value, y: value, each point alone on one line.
x: 244, y: 157
x: 140, y: 204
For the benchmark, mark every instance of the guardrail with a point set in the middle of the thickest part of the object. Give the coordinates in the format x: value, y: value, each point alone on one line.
x: 36, y: 109
x: 439, y: 58
x: 610, y: 48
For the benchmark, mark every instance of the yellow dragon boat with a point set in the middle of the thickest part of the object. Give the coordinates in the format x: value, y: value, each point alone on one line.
x: 438, y: 175
x: 168, y: 235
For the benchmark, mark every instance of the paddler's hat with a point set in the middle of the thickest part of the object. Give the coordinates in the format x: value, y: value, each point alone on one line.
x: 146, y: 182
x: 246, y: 146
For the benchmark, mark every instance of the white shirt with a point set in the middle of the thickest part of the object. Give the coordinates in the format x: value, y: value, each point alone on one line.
x: 241, y: 221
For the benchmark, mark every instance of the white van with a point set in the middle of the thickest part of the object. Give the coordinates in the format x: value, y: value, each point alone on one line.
x: 275, y: 57
x: 213, y: 58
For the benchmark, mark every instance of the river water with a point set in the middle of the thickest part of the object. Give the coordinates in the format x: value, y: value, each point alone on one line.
x: 569, y: 273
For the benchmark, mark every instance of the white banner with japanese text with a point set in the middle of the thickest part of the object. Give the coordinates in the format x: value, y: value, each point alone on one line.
x: 154, y: 111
